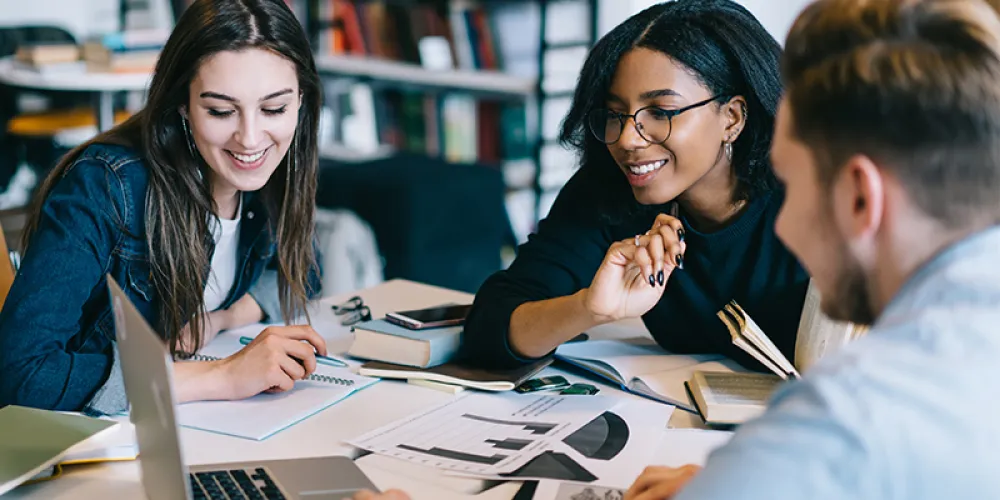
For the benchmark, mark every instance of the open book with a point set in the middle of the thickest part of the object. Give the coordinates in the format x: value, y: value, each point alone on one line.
x: 749, y: 337
x: 819, y: 335
x: 642, y: 367
x: 731, y: 398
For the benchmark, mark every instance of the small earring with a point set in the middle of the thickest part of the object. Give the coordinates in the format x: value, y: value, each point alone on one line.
x: 729, y: 151
x: 188, y: 138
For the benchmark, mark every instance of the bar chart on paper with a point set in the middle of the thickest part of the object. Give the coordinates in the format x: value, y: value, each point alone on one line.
x: 484, y: 434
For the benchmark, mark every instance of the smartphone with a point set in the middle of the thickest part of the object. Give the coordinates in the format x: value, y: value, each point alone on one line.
x: 543, y: 384
x: 431, y: 317
x: 581, y: 390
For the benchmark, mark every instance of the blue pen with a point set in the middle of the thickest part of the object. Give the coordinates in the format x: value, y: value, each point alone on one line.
x: 326, y: 360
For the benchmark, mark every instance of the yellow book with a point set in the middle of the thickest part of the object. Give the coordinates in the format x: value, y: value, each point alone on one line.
x: 118, y: 444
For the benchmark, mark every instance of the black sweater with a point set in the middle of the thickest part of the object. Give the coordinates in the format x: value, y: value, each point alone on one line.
x: 744, y: 261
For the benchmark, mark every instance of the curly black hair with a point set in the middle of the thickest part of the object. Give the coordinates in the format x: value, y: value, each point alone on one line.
x: 723, y: 45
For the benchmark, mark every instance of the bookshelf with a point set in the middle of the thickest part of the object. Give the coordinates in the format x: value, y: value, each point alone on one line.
x: 402, y: 74
x: 554, y: 93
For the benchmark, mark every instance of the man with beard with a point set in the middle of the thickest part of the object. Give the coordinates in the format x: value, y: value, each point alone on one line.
x: 888, y: 144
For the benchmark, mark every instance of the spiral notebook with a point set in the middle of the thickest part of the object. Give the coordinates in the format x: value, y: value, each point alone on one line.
x: 264, y: 415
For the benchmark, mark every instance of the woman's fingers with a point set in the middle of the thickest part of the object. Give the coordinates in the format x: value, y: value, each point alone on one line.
x: 657, y: 253
x: 645, y: 263
x: 673, y: 247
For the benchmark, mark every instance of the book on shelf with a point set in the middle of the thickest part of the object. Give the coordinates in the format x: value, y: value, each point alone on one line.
x: 41, y: 54
x: 381, y: 340
x: 465, y: 35
x: 457, y: 127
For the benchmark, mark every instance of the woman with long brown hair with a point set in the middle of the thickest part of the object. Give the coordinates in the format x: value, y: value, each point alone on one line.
x: 200, y: 206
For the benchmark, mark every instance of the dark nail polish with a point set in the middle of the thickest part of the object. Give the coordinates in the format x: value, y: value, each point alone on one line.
x: 680, y: 234
x: 652, y: 280
x: 659, y: 277
x: 680, y: 262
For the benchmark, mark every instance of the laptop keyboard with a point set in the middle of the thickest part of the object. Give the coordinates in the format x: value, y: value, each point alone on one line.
x: 236, y: 484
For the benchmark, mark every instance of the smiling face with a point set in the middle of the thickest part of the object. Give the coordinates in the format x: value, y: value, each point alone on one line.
x: 693, y: 153
x: 243, y: 111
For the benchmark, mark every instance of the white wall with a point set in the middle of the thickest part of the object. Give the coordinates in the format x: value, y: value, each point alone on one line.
x: 82, y: 18
x: 776, y: 15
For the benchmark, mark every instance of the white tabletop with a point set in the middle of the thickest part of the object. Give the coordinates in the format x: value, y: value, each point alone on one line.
x: 13, y: 74
x: 323, y: 433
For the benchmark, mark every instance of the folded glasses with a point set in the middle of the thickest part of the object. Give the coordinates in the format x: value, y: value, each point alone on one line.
x: 353, y: 311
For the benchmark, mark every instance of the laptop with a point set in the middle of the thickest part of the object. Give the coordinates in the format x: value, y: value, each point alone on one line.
x: 147, y: 369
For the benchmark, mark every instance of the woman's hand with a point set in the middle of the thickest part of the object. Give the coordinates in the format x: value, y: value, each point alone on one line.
x: 211, y: 324
x: 660, y: 483
x: 273, y: 361
x: 244, y: 311
x: 388, y: 495
x: 635, y: 271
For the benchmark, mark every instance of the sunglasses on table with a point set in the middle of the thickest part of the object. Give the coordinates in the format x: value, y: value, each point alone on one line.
x: 353, y: 311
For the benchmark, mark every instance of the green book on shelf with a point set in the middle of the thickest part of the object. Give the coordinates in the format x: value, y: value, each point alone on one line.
x: 32, y: 440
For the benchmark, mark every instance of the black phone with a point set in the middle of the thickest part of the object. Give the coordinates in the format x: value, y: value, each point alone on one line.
x: 431, y: 317
x: 543, y: 384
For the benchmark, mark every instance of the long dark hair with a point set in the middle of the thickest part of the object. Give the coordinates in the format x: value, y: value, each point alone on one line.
x: 727, y: 49
x: 179, y: 199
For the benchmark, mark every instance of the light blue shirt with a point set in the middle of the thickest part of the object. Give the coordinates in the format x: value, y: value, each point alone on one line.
x: 908, y: 412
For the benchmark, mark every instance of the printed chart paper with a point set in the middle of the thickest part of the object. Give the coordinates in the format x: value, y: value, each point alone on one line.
x: 575, y: 438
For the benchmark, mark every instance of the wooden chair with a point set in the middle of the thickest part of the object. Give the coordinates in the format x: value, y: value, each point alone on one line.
x: 6, y: 269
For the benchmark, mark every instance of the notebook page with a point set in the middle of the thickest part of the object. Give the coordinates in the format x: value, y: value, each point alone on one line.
x: 263, y: 415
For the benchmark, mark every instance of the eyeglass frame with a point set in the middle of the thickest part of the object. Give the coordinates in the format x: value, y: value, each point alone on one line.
x: 354, y: 310
x: 671, y: 114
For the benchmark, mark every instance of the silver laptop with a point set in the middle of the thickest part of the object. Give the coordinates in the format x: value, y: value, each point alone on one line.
x: 147, y: 369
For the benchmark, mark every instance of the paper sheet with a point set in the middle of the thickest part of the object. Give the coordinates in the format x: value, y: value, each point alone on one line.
x: 580, y: 438
x: 556, y: 490
x: 263, y: 415
x: 678, y: 447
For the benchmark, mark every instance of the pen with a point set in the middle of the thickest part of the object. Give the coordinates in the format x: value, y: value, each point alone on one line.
x: 326, y: 360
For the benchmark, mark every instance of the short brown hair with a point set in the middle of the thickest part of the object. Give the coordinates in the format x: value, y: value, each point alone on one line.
x: 912, y: 84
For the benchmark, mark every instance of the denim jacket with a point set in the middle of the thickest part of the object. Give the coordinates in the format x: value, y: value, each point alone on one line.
x: 57, y: 347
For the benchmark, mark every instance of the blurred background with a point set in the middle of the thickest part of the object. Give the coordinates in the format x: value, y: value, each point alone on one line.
x: 438, y: 127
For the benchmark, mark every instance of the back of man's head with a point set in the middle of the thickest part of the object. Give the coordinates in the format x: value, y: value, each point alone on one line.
x: 912, y: 84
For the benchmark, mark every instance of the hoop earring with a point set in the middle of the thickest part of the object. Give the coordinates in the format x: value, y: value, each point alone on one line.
x: 729, y: 151
x: 188, y: 138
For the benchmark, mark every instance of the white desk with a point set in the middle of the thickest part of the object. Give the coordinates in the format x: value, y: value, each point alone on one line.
x: 102, y: 85
x: 323, y: 433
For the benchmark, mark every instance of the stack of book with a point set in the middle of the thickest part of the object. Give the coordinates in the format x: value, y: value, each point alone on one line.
x: 125, y: 52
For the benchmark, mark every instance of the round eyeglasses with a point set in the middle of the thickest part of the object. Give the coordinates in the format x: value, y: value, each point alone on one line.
x: 653, y: 123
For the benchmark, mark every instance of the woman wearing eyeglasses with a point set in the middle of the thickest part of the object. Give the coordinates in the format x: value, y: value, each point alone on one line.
x: 671, y: 214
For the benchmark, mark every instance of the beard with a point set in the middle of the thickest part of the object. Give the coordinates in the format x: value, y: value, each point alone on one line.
x: 849, y: 298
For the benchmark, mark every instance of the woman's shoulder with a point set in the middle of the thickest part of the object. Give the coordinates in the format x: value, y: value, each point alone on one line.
x: 113, y: 156
x: 123, y: 163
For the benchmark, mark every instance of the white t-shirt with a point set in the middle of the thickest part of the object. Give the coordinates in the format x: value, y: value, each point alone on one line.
x: 222, y: 273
